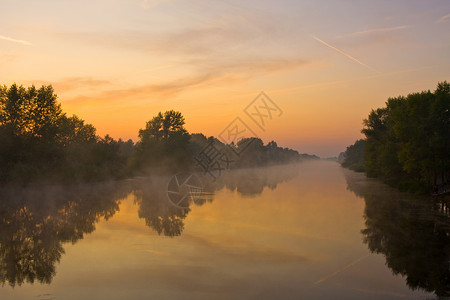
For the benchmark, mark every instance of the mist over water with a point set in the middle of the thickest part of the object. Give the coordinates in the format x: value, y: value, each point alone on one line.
x: 310, y: 230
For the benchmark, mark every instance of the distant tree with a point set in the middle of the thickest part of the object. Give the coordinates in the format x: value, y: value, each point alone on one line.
x: 164, y: 126
x: 73, y: 130
x: 164, y: 143
x: 253, y: 153
x: 354, y: 156
x: 197, y: 142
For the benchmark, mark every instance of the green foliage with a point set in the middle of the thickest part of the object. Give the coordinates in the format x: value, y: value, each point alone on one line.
x: 408, y: 141
x: 354, y: 156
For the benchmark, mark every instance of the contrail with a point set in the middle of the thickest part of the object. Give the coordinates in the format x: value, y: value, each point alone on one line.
x: 345, y: 54
x: 375, y: 30
x: 14, y: 40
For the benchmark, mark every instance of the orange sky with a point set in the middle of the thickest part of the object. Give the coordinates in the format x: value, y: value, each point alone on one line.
x: 326, y: 65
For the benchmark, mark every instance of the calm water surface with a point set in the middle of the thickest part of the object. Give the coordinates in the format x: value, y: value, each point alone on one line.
x: 310, y: 231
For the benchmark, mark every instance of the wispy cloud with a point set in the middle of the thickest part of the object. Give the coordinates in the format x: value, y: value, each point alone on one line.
x: 70, y: 84
x: 219, y: 36
x: 231, y: 48
x: 444, y: 19
x: 373, y: 31
x: 345, y: 54
x: 73, y: 83
x: 220, y: 74
x: 5, y: 38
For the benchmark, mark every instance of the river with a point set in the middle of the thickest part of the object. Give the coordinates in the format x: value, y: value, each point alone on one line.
x: 308, y: 231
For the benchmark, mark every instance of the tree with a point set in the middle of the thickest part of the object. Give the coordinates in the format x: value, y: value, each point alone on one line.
x: 29, y: 111
x: 73, y: 130
x: 163, y: 144
x: 40, y: 143
x: 253, y: 153
x: 407, y: 142
x: 164, y: 126
x: 354, y: 156
x: 28, y: 125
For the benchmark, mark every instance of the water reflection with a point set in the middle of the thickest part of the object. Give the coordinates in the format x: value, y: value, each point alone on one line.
x: 251, y: 182
x: 412, y: 233
x: 168, y: 219
x: 35, y: 223
x: 155, y: 208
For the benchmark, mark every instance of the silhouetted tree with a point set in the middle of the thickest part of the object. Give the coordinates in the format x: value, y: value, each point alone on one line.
x: 163, y: 144
x: 40, y: 143
x: 253, y: 153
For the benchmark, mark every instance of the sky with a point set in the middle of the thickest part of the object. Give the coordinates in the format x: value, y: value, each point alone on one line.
x: 322, y: 64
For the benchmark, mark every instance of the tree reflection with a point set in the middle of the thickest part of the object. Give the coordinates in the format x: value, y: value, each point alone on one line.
x: 156, y: 209
x: 252, y: 181
x: 168, y: 219
x: 412, y: 233
x: 34, y: 223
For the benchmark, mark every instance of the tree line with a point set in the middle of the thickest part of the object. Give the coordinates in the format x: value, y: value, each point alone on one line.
x: 407, y: 142
x: 40, y: 143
